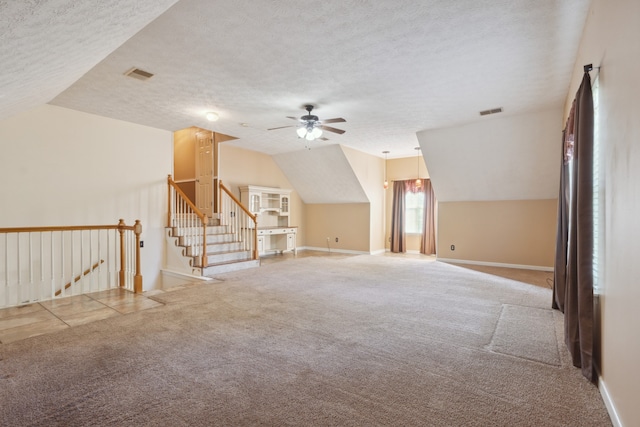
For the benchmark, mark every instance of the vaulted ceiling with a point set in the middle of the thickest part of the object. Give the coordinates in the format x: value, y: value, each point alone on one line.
x: 391, y: 68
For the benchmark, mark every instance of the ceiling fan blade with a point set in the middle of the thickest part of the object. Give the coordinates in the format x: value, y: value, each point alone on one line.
x: 292, y: 118
x: 322, y: 138
x: 334, y: 130
x: 281, y: 127
x: 338, y: 120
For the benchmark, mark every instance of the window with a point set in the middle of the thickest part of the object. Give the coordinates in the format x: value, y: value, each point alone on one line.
x: 598, y: 193
x: 414, y: 212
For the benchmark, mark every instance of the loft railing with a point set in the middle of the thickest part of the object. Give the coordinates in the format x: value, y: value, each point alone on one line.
x: 44, y: 263
x: 187, y: 222
x: 239, y: 221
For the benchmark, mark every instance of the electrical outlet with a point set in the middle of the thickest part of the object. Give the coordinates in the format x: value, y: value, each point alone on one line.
x: 453, y: 247
x: 336, y: 240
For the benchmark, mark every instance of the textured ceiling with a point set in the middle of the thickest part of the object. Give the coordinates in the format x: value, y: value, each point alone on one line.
x: 46, y: 46
x: 322, y: 175
x: 391, y: 68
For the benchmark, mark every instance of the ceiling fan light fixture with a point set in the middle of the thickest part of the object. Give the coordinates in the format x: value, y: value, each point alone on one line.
x: 311, y: 128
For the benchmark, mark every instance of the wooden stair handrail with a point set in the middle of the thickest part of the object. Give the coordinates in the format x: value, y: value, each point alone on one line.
x: 249, y: 214
x: 202, y: 216
x: 80, y: 276
x: 65, y: 228
x: 235, y: 199
x: 121, y: 227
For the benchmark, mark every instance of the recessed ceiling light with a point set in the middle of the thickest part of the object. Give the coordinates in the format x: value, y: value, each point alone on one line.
x: 211, y: 116
x: 244, y: 125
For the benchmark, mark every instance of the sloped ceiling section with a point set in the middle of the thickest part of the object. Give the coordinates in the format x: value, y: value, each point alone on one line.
x: 48, y: 45
x: 510, y: 158
x: 322, y: 175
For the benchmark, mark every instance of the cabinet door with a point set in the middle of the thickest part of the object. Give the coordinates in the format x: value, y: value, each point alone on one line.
x: 254, y: 203
x: 284, y: 204
x: 291, y: 241
x: 260, y: 245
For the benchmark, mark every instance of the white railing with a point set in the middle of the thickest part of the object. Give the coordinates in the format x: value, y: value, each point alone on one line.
x: 239, y: 221
x: 190, y: 225
x: 44, y: 263
x: 187, y: 223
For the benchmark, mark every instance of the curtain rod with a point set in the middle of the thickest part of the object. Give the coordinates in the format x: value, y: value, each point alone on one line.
x: 589, y: 67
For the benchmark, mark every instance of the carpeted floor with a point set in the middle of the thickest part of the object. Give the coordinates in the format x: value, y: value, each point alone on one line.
x: 357, y: 341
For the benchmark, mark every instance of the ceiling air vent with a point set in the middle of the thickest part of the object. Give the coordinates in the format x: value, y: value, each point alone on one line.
x: 139, y: 74
x: 492, y: 111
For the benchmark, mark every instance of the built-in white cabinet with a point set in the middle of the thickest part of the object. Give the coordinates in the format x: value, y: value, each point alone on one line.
x: 284, y: 204
x: 272, y: 207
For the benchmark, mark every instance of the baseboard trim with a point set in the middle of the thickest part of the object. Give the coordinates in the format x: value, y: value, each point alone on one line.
x: 342, y: 251
x: 177, y: 274
x: 495, y: 264
x: 608, y: 403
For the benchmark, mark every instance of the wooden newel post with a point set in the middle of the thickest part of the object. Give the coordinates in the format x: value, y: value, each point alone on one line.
x: 255, y: 238
x: 137, y: 279
x: 169, y: 210
x: 121, y: 275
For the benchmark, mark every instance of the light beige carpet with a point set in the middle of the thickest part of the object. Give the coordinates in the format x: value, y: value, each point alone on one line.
x: 359, y: 341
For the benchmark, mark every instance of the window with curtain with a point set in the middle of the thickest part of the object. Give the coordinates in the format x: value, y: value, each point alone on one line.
x: 414, y: 212
x: 579, y: 224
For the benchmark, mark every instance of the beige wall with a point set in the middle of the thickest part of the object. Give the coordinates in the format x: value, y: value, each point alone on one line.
x: 245, y: 167
x: 610, y: 40
x: 370, y: 173
x: 184, y: 154
x: 520, y: 232
x: 401, y: 169
x: 349, y: 222
x: 76, y: 168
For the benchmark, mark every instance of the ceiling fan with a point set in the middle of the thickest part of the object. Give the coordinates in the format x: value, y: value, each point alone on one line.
x: 310, y: 127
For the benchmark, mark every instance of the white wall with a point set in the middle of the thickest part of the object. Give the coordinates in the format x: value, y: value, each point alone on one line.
x: 498, y: 158
x: 64, y: 167
x: 610, y: 41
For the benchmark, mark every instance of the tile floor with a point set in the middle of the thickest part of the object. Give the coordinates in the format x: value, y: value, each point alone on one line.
x: 18, y: 323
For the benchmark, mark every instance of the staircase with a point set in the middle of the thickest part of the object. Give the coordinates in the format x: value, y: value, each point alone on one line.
x: 224, y: 251
x: 201, y: 246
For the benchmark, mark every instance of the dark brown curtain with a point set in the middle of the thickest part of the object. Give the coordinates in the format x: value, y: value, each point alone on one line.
x: 562, y: 232
x: 573, y: 290
x: 398, y: 241
x: 428, y: 241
